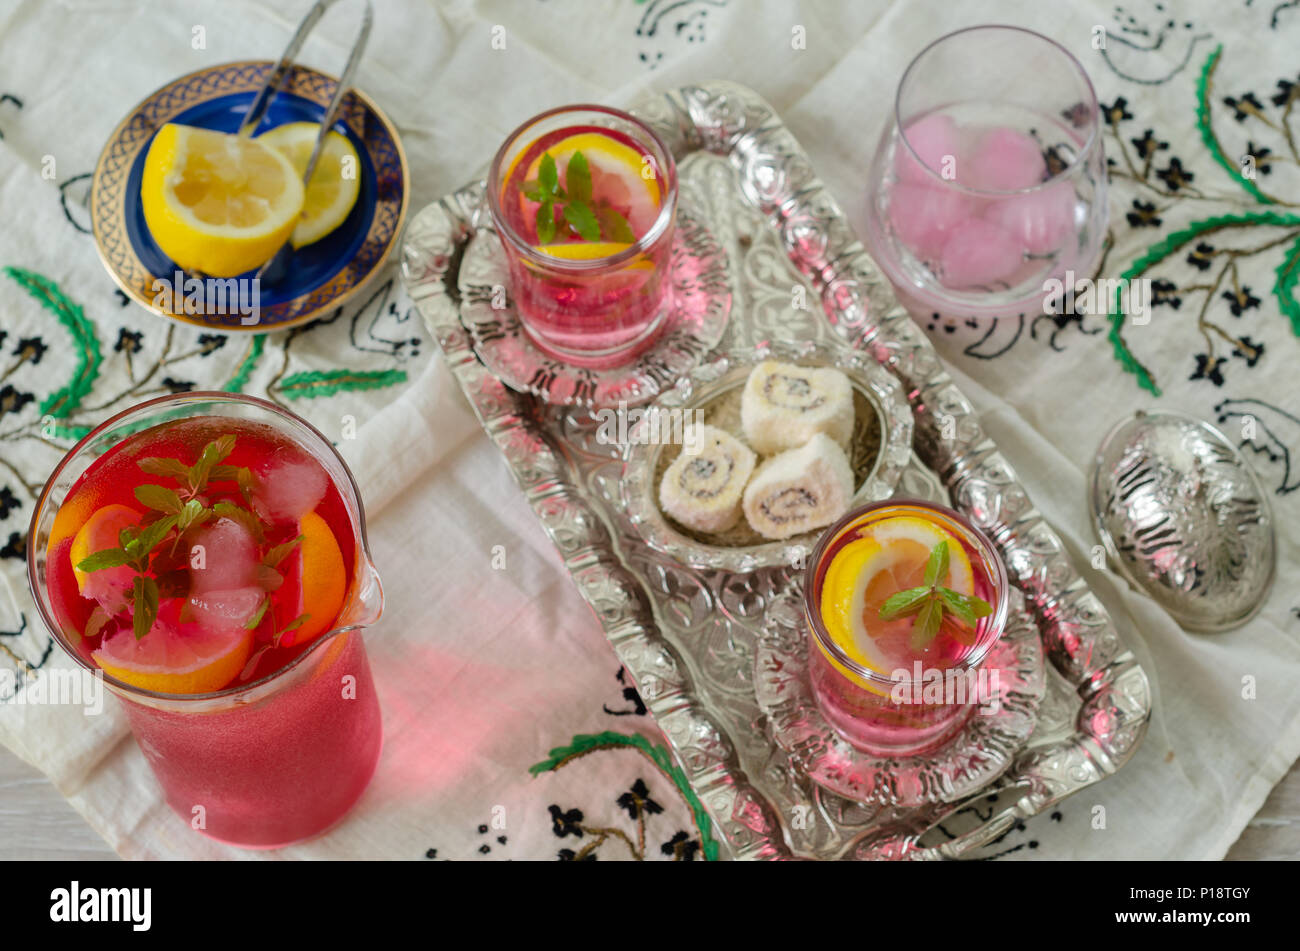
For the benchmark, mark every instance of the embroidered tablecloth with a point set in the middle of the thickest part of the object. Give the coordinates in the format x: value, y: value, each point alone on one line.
x: 511, y: 731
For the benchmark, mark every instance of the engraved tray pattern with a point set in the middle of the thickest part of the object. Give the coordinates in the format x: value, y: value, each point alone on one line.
x: 687, y: 636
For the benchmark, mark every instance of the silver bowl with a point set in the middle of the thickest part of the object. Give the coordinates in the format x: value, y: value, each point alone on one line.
x: 1185, y: 518
x: 880, y: 450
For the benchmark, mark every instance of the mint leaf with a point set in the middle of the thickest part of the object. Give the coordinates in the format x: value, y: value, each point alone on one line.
x: 903, y: 603
x: 256, y: 619
x: 547, y: 176
x: 533, y: 190
x: 582, y: 219
x: 267, y: 578
x: 277, y: 554
x: 107, y: 558
x: 243, y: 516
x: 577, y: 177
x: 95, y: 623
x: 192, y: 513
x: 967, y: 608
x: 545, y: 222
x: 614, y: 226
x: 171, y: 468
x: 158, y: 497
x: 927, y: 623
x: 936, y: 568
x: 151, y: 537
x: 144, y: 598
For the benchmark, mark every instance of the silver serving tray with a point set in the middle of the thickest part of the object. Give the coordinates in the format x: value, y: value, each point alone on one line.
x: 687, y: 636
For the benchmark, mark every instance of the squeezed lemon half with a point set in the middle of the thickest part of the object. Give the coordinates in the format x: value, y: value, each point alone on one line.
x: 218, y: 203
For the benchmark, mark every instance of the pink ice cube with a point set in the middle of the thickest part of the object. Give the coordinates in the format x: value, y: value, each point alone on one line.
x: 228, y: 559
x: 225, y: 610
x: 932, y: 138
x: 925, y: 216
x: 1004, y: 160
x: 1042, y: 220
x: 290, y: 486
x: 979, y: 253
x: 109, y: 586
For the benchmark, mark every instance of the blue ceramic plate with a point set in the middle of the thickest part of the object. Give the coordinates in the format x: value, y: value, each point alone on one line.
x: 320, y: 276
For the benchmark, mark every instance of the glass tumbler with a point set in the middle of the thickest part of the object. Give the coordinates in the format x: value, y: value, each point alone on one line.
x: 989, y: 181
x: 589, y: 303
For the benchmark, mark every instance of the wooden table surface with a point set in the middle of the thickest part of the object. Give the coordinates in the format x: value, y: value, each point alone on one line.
x: 36, y: 823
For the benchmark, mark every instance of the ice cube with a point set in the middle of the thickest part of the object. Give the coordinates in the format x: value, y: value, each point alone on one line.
x: 1041, y: 220
x: 109, y: 587
x: 924, y: 216
x: 225, y: 610
x: 979, y: 253
x: 228, y: 558
x: 289, y: 487
x: 1004, y: 160
x: 932, y: 138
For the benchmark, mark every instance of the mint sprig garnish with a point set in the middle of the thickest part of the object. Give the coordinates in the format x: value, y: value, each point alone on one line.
x: 172, y: 514
x: 931, y: 600
x: 583, y: 217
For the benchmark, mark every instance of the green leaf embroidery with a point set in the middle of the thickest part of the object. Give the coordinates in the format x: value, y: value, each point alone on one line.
x: 63, y: 402
x: 328, y: 382
x: 584, y: 744
x: 246, y: 366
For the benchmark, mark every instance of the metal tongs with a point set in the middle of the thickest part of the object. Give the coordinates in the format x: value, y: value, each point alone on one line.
x: 273, y: 269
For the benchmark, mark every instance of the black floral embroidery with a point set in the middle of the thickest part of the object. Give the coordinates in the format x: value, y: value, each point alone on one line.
x: 1174, y: 175
x: 681, y: 847
x: 8, y: 501
x: 1117, y: 111
x: 30, y: 350
x: 1148, y: 145
x: 1263, y: 157
x: 13, y: 400
x: 1208, y: 368
x: 1143, y: 215
x: 568, y: 855
x: 637, y: 802
x: 128, y: 341
x: 566, y: 823
x: 1240, y: 299
x: 1165, y: 292
x: 1202, y: 256
x: 1286, y: 91
x: 1248, y: 349
x: 630, y: 695
x: 211, y: 343
x: 178, y: 386
x: 15, y: 547
x: 1243, y: 106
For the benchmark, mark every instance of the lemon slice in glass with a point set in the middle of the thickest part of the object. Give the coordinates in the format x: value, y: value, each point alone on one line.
x: 334, y: 184
x: 217, y: 203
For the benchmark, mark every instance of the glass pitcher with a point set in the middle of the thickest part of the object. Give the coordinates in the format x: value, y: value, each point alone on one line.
x: 286, y: 748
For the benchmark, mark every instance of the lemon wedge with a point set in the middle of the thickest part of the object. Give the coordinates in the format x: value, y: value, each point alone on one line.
x: 218, y: 203
x: 334, y: 184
